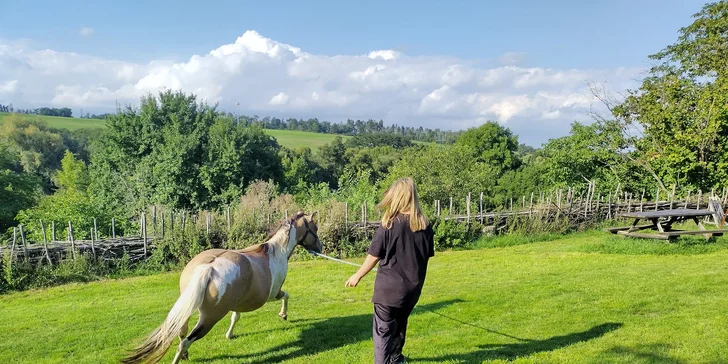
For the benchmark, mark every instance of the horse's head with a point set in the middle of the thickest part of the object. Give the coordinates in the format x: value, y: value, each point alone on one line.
x: 307, y: 231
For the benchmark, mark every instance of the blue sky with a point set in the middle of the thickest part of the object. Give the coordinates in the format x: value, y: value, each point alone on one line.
x: 553, y: 34
x: 520, y: 62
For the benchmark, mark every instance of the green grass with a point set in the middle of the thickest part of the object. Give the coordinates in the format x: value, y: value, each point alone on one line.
x: 296, y: 139
x: 60, y: 122
x: 287, y: 138
x: 568, y: 300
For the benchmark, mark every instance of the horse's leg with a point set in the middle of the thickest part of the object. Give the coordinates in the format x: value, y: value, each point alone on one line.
x: 233, y: 320
x: 283, y: 296
x: 204, y: 325
x: 182, y: 334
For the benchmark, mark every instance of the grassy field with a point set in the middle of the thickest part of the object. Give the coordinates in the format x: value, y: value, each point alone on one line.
x: 288, y: 138
x: 586, y: 298
x: 62, y: 123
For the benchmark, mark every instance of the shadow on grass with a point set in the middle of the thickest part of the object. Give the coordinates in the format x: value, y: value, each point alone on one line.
x: 646, y: 353
x: 321, y: 336
x: 527, y: 347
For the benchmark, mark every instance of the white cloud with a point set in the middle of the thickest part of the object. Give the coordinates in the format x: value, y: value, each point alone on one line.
x: 8, y: 87
x: 271, y: 78
x: 86, y: 31
x: 280, y: 99
x: 512, y: 58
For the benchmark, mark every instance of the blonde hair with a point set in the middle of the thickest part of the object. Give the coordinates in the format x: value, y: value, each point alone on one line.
x: 401, y: 198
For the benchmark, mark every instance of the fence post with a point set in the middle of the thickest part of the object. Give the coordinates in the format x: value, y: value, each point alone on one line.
x: 481, y: 208
x: 93, y: 248
x: 25, y: 246
x: 530, y: 208
x: 451, y: 214
x: 161, y: 221
x: 113, y: 229
x: 12, y: 247
x: 144, y: 232
x: 700, y: 197
x: 45, y: 242
x: 228, y: 217
x: 467, y: 208
x: 53, y: 231
x: 207, y: 223
x: 154, y: 220
x: 96, y: 231
x: 73, y: 243
x: 687, y: 200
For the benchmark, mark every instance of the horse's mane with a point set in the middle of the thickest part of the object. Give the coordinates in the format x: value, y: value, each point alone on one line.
x: 283, y: 223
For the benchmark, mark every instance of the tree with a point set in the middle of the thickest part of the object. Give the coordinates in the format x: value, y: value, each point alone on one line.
x: 494, y: 145
x: 681, y: 107
x: 18, y: 190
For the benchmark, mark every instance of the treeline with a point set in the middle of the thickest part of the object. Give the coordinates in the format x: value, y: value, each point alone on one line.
x: 96, y: 116
x: 353, y: 127
x: 45, y: 111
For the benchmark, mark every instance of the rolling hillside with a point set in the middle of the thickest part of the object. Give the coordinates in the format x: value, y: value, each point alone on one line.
x: 288, y: 138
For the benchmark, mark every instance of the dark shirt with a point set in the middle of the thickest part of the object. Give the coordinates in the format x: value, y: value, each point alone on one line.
x: 403, y: 261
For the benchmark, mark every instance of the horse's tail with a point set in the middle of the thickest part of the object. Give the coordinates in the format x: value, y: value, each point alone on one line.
x: 157, y: 343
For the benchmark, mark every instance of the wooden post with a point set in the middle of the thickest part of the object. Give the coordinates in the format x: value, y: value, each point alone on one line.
x: 162, y: 225
x: 73, y: 243
x: 228, y: 218
x: 154, y: 220
x: 481, y: 208
x: 53, y: 231
x: 207, y: 223
x: 12, y: 247
x: 96, y: 232
x: 113, y: 229
x: 451, y: 206
x: 144, y: 232
x: 530, y: 208
x: 609, y: 206
x: 687, y: 200
x: 346, y: 214
x: 467, y: 208
x: 45, y: 242
x: 523, y: 203
x: 700, y: 197
x: 93, y: 248
x: 22, y: 239
x: 672, y: 196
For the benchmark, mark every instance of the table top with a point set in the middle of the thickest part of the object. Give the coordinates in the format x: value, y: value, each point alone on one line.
x: 666, y: 213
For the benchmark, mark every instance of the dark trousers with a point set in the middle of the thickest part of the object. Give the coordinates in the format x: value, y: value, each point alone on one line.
x: 389, y: 329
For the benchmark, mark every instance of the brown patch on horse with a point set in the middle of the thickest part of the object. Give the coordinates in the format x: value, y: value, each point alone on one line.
x: 263, y: 248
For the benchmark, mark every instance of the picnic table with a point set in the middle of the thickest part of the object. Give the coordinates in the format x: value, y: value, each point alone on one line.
x: 662, y: 221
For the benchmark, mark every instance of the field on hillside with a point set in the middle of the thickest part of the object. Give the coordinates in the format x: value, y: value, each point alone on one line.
x: 586, y: 298
x: 60, y: 122
x: 288, y: 138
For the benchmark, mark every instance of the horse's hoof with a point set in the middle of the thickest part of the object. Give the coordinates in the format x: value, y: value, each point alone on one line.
x: 230, y: 337
x: 185, y: 356
x: 284, y: 317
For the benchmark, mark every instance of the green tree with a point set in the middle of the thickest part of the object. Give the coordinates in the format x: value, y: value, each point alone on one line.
x: 18, y: 190
x: 494, y: 145
x: 681, y: 107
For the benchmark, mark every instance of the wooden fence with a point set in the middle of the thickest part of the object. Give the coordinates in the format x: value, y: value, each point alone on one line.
x: 556, y: 206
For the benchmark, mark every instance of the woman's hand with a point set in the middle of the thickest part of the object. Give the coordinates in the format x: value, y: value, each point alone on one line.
x: 353, y: 281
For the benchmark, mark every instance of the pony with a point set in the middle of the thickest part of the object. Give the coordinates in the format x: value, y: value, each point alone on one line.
x: 218, y: 281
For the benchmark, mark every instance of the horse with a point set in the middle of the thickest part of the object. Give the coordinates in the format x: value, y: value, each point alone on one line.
x: 218, y: 281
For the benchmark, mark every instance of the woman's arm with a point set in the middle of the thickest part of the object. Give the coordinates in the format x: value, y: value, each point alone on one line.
x: 367, y: 266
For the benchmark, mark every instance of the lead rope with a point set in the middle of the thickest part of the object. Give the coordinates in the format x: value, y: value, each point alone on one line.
x: 336, y: 260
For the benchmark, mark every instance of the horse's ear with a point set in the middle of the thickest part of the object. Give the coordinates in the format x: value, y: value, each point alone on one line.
x: 297, y: 216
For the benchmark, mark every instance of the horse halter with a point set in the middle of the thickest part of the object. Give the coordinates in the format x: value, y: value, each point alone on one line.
x: 308, y: 231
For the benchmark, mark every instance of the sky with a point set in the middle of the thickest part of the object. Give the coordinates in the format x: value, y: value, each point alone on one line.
x: 449, y: 65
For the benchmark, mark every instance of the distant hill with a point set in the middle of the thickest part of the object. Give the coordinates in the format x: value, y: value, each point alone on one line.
x: 288, y: 138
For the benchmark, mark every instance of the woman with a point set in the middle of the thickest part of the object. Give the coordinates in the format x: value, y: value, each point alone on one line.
x: 402, y: 245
